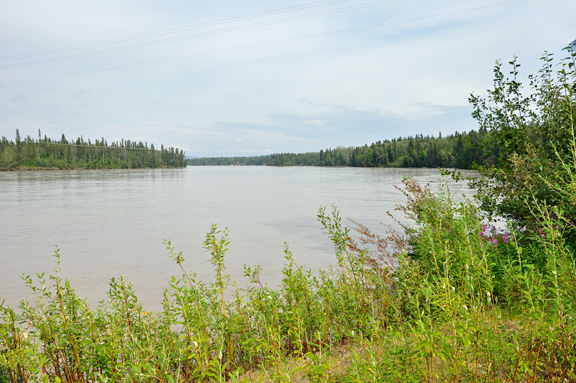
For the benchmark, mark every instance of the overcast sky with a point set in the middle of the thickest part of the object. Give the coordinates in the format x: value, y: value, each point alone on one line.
x: 230, y: 78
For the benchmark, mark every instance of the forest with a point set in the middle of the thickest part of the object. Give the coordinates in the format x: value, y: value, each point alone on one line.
x: 458, y: 150
x: 45, y: 153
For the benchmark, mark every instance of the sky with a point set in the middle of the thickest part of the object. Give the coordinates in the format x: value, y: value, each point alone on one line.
x: 245, y: 78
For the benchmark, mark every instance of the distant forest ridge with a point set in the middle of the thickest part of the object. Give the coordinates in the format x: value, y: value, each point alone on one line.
x: 46, y: 153
x: 458, y: 150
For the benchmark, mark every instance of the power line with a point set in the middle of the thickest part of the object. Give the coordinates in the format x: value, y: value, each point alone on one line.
x: 176, y: 30
x: 204, y: 34
x: 263, y: 44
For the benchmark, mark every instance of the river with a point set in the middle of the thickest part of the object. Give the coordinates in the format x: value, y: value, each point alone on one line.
x: 108, y: 223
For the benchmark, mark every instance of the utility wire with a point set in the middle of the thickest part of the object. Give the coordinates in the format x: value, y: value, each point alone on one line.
x: 176, y: 30
x: 209, y: 33
x: 263, y: 44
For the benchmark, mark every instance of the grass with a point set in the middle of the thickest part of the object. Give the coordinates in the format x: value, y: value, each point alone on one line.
x: 446, y: 300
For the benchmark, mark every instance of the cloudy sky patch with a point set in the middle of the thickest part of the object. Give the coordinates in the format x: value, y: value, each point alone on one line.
x: 226, y: 78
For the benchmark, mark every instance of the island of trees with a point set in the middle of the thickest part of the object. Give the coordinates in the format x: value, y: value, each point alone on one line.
x: 45, y: 153
x: 459, y: 150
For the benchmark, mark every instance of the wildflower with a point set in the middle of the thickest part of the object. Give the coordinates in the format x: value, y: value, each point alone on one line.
x: 541, y: 233
x: 505, y: 238
x: 494, y: 241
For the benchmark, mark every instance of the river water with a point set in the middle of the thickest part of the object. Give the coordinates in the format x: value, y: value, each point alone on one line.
x: 108, y: 223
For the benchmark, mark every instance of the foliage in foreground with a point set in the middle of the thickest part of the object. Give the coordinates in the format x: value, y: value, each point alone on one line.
x: 461, y: 303
x: 530, y: 142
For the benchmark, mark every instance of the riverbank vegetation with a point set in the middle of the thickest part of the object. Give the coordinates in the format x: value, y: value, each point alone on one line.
x: 458, y: 150
x: 46, y: 153
x: 449, y: 298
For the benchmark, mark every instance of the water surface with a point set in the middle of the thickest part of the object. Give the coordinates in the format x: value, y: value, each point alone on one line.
x: 108, y: 223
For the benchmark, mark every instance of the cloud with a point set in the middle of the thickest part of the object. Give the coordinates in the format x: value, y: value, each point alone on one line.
x: 292, y: 132
x: 410, y: 75
x: 315, y: 123
x: 18, y: 97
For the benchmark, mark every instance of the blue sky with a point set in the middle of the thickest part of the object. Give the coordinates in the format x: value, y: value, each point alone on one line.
x: 229, y: 78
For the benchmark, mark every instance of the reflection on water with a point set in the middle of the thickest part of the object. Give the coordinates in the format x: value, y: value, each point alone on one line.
x: 108, y: 223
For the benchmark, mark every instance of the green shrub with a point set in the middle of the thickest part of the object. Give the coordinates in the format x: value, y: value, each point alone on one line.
x: 531, y: 141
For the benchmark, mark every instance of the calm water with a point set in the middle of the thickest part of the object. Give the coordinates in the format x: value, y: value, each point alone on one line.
x: 108, y: 223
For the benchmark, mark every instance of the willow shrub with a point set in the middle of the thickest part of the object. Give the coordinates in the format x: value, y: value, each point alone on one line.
x: 473, y: 303
x: 530, y: 141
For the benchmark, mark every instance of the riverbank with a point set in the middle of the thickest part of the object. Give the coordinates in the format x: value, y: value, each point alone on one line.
x: 449, y: 299
x: 51, y: 168
x: 28, y: 168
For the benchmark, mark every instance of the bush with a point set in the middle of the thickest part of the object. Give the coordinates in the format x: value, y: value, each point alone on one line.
x: 531, y: 143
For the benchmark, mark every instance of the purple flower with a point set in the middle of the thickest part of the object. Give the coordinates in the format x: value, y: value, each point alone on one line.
x: 541, y: 233
x: 483, y: 231
x: 494, y: 241
x: 505, y: 238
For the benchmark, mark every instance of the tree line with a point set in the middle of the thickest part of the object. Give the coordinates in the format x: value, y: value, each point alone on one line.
x: 459, y: 150
x: 44, y: 152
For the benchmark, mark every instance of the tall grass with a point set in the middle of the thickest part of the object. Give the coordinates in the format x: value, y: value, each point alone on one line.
x: 448, y: 299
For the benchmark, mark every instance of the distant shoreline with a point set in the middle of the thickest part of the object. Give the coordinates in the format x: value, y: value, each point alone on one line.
x: 53, y: 168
